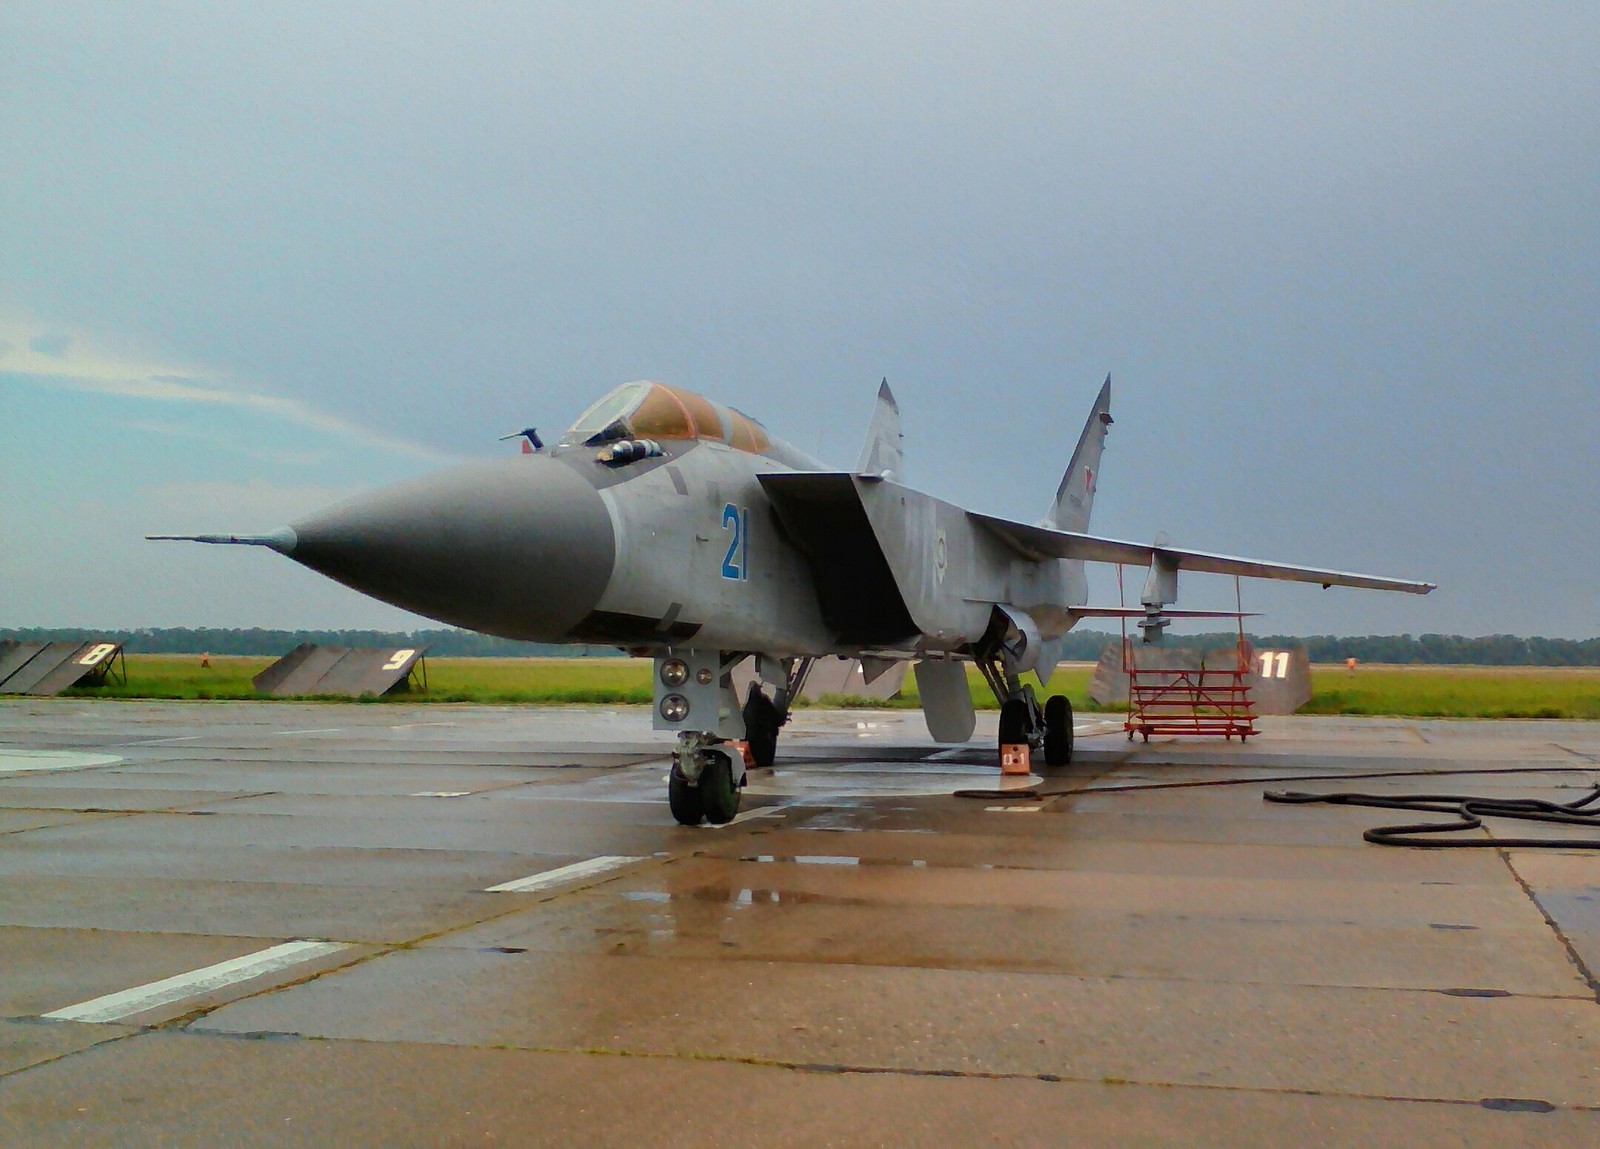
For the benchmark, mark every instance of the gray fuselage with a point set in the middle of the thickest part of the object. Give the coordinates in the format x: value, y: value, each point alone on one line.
x: 558, y: 547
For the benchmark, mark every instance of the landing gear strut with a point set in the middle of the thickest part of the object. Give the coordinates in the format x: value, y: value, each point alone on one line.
x: 1022, y: 720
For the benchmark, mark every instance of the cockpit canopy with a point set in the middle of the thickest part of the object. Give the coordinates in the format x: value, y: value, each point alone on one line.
x: 648, y: 410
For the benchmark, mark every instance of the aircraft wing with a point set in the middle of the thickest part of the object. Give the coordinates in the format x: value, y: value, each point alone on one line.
x: 1038, y: 543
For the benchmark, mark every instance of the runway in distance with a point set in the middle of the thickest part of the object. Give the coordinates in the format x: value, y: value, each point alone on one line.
x: 679, y: 529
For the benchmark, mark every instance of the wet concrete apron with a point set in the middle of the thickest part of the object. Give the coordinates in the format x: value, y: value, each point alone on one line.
x: 259, y: 924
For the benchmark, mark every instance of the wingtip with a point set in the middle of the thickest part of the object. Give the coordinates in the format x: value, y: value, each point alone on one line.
x: 887, y: 395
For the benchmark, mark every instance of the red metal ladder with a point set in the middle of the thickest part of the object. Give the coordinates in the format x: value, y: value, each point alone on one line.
x: 1183, y: 700
x: 1206, y: 702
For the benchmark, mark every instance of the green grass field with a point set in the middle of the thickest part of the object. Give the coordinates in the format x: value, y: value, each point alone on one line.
x: 1457, y: 691
x: 1410, y: 691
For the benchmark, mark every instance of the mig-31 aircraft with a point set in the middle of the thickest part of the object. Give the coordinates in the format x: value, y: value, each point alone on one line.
x: 679, y: 529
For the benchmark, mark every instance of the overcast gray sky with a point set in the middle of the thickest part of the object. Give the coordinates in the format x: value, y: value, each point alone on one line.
x: 1342, y: 261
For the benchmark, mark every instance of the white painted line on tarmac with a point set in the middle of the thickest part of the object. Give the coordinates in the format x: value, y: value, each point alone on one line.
x: 441, y: 794
x: 759, y: 812
x: 161, y: 741
x: 1107, y: 726
x: 1011, y: 809
x: 560, y: 874
x: 25, y: 761
x: 116, y: 1006
x: 318, y: 730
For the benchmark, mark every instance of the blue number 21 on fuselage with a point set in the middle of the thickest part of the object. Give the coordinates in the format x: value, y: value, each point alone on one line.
x: 736, y: 563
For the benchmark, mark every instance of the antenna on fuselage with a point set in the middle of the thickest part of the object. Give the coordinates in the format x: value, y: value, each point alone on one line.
x: 530, y: 437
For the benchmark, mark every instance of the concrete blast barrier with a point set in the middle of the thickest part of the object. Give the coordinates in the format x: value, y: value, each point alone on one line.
x: 351, y: 671
x: 1279, y: 680
x: 1109, y: 684
x: 844, y: 676
x: 847, y: 677
x: 46, y: 668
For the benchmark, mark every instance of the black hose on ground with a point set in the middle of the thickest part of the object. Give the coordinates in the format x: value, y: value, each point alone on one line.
x: 1470, y: 811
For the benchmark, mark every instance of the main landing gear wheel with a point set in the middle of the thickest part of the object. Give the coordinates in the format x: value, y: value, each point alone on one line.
x: 761, y: 724
x: 685, y: 800
x: 719, y: 797
x: 1057, y: 731
x: 1013, y: 722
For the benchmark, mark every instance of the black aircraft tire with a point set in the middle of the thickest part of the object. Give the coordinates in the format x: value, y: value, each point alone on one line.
x: 684, y: 799
x: 1013, y: 722
x: 718, y: 796
x: 761, y: 728
x: 1057, y: 731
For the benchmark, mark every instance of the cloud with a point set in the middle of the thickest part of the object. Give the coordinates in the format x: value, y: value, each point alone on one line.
x: 51, y: 343
x: 233, y: 443
x: 98, y: 372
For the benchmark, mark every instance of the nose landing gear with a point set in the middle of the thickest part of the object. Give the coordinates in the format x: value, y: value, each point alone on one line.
x: 705, y: 780
x: 696, y: 686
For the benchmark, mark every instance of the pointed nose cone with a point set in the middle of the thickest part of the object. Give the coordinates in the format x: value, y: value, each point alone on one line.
x: 521, y: 547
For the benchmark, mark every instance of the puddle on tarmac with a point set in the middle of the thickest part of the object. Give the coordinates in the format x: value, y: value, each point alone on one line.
x: 734, y: 897
x: 692, y: 905
x: 842, y: 821
x: 838, y: 782
x: 836, y: 860
x: 852, y: 818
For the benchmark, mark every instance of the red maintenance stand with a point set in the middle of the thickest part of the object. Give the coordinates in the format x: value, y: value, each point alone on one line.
x: 1208, y: 701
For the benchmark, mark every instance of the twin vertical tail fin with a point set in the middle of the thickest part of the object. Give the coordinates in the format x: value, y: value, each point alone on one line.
x: 883, y: 455
x: 884, y: 451
x: 1075, y: 496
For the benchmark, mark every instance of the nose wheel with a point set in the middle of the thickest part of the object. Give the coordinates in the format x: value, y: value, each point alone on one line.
x: 684, y: 798
x: 704, y: 782
x: 719, y: 797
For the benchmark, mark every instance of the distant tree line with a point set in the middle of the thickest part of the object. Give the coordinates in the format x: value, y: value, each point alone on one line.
x: 1453, y: 649
x: 1430, y: 649
x: 1081, y: 646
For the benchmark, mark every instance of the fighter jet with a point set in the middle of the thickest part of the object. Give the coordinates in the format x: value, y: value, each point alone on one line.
x: 684, y: 531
